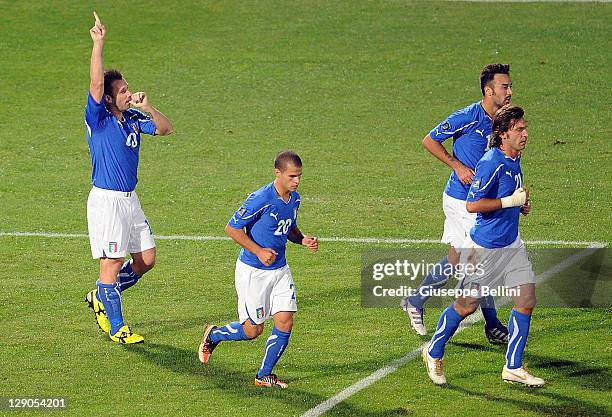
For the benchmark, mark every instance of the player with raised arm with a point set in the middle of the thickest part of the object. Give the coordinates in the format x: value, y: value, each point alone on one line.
x: 116, y: 222
x: 263, y: 280
x: 470, y: 129
x: 494, y: 248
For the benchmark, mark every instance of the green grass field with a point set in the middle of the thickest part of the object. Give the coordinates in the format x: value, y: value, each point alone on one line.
x: 352, y: 86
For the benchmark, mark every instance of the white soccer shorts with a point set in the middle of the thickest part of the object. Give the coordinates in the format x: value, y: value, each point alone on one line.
x: 458, y: 221
x: 263, y: 293
x: 117, y: 224
x: 507, y: 267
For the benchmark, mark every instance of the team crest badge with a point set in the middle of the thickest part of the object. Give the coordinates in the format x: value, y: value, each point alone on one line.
x: 241, y: 211
x: 476, y: 184
x: 259, y: 312
x: 112, y: 247
x: 446, y: 125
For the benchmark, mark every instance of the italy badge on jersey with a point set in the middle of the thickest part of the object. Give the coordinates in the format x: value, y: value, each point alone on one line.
x: 259, y: 312
x: 112, y: 247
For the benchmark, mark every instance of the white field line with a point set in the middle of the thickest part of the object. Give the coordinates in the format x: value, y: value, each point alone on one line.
x: 529, y: 1
x: 397, y: 363
x: 398, y: 241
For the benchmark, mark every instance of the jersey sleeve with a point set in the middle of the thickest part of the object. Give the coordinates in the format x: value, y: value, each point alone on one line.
x: 453, y: 126
x: 145, y: 122
x: 485, y: 181
x: 249, y: 212
x: 94, y: 112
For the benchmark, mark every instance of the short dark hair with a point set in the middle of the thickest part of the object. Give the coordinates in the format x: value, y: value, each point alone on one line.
x: 111, y: 75
x: 505, y: 118
x: 285, y: 158
x: 488, y: 74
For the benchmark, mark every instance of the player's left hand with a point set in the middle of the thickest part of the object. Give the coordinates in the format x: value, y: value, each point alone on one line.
x: 526, y: 208
x: 311, y: 242
x: 139, y: 100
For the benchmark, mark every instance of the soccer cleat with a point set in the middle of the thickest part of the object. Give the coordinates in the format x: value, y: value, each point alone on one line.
x: 497, y: 335
x: 415, y: 314
x: 126, y: 336
x: 522, y: 376
x: 435, y: 367
x: 98, y: 310
x: 270, y: 381
x: 206, y: 345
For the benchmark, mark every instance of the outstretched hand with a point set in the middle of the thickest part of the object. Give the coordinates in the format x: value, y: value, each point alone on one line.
x: 98, y: 31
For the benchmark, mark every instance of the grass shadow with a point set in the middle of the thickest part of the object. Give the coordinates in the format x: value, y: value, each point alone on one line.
x: 240, y: 383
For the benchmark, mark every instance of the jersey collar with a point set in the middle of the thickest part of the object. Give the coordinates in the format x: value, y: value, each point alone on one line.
x: 275, y: 194
x: 483, y: 110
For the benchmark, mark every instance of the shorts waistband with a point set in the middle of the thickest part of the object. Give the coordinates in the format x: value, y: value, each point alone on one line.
x: 114, y: 193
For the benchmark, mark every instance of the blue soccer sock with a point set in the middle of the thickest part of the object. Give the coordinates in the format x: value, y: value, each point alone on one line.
x: 275, y: 346
x: 518, y: 328
x: 447, y: 326
x: 110, y: 297
x: 436, y: 278
x: 127, y: 277
x: 489, y: 312
x: 231, y: 331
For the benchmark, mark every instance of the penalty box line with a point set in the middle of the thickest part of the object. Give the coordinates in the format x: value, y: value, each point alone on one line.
x: 413, y: 354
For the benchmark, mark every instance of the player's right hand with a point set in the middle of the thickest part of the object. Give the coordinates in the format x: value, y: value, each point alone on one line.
x: 465, y: 174
x: 98, y: 30
x: 518, y: 198
x: 267, y: 256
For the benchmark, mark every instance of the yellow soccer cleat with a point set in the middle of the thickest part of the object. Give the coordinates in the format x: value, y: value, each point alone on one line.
x: 98, y: 309
x: 126, y: 336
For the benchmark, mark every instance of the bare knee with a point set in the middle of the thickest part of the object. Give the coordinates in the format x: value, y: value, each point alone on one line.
x: 526, y: 304
x: 283, y: 321
x: 252, y: 331
x: 109, y: 268
x: 464, y: 309
x: 143, y: 262
x: 526, y: 299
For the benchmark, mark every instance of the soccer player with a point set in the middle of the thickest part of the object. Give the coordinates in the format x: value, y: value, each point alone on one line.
x: 470, y: 129
x: 263, y: 279
x: 494, y: 248
x: 116, y: 222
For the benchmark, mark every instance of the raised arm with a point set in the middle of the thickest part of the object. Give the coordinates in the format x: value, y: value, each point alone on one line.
x: 438, y: 150
x: 96, y: 69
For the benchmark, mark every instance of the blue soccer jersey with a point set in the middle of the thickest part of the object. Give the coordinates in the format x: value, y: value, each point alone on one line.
x: 114, y: 145
x: 470, y: 129
x: 497, y: 176
x: 267, y: 219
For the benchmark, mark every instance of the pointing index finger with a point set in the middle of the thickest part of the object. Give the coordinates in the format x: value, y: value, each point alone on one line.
x: 97, y: 17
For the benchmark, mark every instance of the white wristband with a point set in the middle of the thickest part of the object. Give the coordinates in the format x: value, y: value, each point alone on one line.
x: 518, y: 198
